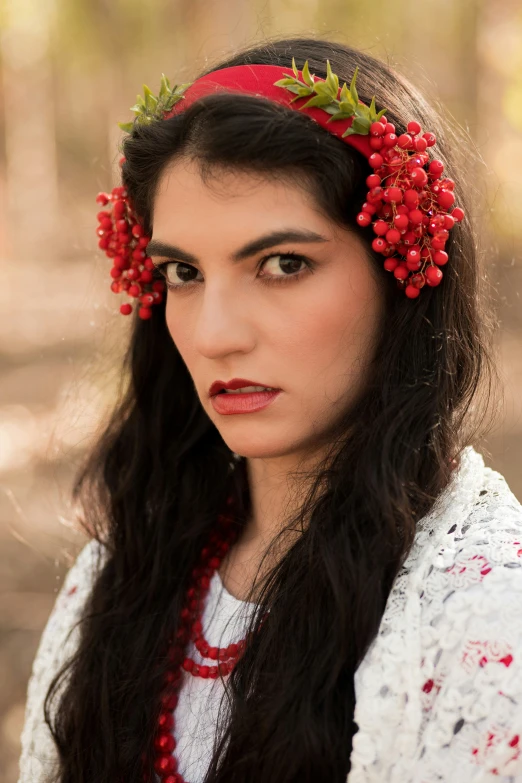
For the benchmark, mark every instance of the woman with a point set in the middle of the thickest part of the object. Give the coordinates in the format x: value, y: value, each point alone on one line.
x: 364, y: 574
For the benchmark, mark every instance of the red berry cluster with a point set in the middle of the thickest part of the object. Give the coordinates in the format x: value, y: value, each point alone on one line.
x: 408, y: 204
x: 124, y: 242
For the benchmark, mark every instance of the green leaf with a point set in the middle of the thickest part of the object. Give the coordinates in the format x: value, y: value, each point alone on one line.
x: 137, y: 108
x: 332, y: 80
x: 181, y: 88
x: 150, y: 99
x: 294, y: 68
x: 306, y: 75
x: 363, y: 111
x: 347, y: 108
x: 323, y: 88
x: 164, y: 86
x: 317, y: 100
x: 361, y: 125
x: 339, y: 115
x: 380, y: 114
x: 353, y: 88
x: 126, y: 126
x: 345, y: 94
x: 284, y: 82
x: 295, y: 88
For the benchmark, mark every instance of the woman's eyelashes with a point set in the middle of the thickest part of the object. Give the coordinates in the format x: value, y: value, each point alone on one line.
x: 290, y: 259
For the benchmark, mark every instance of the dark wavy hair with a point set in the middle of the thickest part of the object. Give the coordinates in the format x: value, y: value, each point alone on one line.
x: 152, y: 486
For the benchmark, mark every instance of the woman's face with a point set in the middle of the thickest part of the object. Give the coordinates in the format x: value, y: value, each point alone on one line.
x: 305, y: 325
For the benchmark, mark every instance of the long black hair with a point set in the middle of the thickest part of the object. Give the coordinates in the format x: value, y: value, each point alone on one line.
x: 152, y: 486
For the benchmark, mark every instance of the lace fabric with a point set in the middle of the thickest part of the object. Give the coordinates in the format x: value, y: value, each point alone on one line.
x: 439, y: 692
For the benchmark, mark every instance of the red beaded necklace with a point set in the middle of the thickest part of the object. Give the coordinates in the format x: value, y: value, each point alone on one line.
x: 190, y: 629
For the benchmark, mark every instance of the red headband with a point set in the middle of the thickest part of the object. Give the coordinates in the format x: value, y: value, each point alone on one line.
x: 407, y: 203
x: 260, y: 80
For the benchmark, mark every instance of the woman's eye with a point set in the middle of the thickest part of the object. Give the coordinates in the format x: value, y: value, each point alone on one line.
x: 179, y: 275
x: 283, y: 268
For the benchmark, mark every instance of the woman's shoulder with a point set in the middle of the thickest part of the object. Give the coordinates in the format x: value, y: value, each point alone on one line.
x: 57, y: 644
x: 471, y: 634
x: 445, y: 669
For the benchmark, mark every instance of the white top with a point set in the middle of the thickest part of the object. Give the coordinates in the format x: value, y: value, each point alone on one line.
x: 439, y: 692
x: 224, y: 622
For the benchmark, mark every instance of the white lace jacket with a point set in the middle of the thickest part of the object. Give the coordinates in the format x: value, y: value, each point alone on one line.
x: 439, y: 692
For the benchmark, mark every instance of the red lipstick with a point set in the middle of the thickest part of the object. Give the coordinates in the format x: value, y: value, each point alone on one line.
x: 242, y: 402
x: 235, y: 383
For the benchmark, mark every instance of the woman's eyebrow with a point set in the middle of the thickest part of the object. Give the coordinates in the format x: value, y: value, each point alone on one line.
x: 158, y: 248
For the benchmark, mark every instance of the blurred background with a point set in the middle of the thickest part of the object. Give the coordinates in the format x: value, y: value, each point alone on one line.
x: 69, y: 71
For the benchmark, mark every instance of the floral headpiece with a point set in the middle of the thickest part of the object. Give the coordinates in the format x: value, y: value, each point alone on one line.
x: 408, y: 201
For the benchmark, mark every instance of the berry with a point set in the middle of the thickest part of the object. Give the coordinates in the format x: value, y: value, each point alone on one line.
x: 102, y: 198
x: 392, y: 195
x: 371, y: 209
x: 458, y: 214
x: 119, y: 209
x: 438, y: 243
x: 374, y: 195
x: 440, y: 257
x: 449, y: 222
x: 436, y: 168
x: 126, y: 309
x: 390, y: 140
x: 411, y: 198
x: 405, y: 141
x: 389, y: 127
x: 377, y: 129
x: 446, y: 199
x: 379, y: 244
x: 411, y: 291
x: 390, y: 264
x: 413, y: 127
x: 419, y: 177
x: 414, y: 265
x: 414, y: 253
x: 363, y: 219
x: 375, y: 160
x: 373, y: 180
x: 393, y: 236
x: 401, y: 272
x: 416, y: 216
x: 447, y: 184
x: 401, y: 222
x: 380, y: 227
x: 115, y: 272
x: 376, y: 143
x: 418, y: 280
x: 145, y: 313
x: 421, y: 145
x: 433, y: 275
x: 431, y: 139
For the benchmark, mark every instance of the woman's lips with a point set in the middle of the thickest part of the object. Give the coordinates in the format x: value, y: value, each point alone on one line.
x: 243, y: 402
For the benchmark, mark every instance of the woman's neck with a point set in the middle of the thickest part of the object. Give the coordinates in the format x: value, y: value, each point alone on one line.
x: 272, y: 502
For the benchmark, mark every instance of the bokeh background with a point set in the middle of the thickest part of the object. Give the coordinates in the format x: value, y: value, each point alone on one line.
x: 69, y: 71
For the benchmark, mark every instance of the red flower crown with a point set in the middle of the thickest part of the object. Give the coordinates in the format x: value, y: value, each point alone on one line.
x: 408, y: 201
